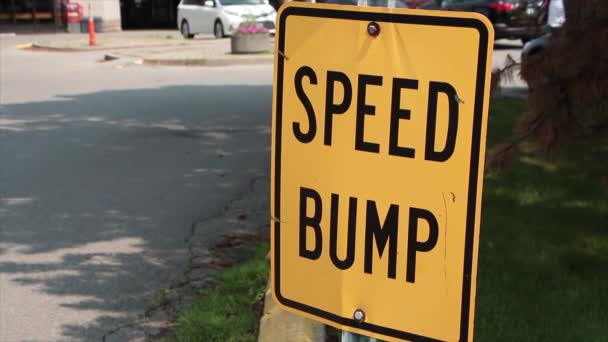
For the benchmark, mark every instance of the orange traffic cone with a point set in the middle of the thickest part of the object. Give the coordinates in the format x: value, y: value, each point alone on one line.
x: 92, y: 39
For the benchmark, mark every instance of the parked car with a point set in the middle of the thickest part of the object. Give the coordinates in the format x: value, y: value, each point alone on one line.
x: 222, y: 17
x: 371, y: 3
x: 418, y: 3
x: 556, y: 19
x: 512, y: 19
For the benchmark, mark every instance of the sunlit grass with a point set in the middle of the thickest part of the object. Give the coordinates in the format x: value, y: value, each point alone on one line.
x: 228, y: 312
x: 543, y: 259
x: 543, y: 262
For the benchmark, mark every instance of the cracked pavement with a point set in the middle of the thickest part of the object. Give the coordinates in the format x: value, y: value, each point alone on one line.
x: 215, y: 242
x: 115, y: 182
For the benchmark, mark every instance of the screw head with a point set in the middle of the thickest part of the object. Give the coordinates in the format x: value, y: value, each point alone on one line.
x: 373, y: 29
x: 359, y: 316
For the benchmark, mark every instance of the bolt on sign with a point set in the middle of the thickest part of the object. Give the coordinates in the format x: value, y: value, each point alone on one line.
x: 379, y: 129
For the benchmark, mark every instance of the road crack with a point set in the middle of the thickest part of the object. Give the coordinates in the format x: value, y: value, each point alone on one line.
x: 242, y: 218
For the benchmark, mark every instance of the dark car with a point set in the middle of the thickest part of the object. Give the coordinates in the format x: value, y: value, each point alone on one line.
x: 512, y: 19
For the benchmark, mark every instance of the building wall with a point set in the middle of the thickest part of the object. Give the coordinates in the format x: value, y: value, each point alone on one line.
x: 19, y: 11
x: 108, y: 10
x: 115, y: 14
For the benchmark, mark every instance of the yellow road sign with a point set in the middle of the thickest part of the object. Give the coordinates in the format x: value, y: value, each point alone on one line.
x: 379, y: 127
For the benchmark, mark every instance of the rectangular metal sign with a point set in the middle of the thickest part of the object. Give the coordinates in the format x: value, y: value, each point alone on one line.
x: 379, y: 129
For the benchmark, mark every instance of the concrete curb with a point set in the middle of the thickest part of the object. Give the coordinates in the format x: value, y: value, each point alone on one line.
x: 38, y: 47
x: 42, y: 47
x: 24, y: 46
x: 190, y: 62
x: 206, y: 61
x: 279, y: 325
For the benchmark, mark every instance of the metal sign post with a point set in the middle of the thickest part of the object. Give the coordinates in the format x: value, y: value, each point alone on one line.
x: 352, y: 337
x: 346, y: 335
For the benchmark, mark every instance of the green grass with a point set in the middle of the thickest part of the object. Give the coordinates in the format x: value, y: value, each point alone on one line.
x: 543, y: 258
x: 228, y: 312
x: 160, y: 299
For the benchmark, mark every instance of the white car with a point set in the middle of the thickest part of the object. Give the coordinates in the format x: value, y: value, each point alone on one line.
x: 222, y: 17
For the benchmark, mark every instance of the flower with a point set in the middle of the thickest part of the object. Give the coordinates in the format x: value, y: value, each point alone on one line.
x: 250, y: 26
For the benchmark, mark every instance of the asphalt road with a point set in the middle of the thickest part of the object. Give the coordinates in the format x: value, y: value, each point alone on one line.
x: 104, y: 167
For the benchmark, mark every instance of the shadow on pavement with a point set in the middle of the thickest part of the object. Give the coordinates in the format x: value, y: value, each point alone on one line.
x: 30, y: 28
x: 100, y: 190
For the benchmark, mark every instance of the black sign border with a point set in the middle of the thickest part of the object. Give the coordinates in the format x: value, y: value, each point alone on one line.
x: 474, y: 167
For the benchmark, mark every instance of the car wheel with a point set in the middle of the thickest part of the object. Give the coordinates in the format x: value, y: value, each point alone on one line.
x: 218, y: 30
x: 185, y: 29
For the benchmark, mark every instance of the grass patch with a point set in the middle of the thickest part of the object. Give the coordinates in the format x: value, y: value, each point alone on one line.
x: 229, y: 313
x: 160, y: 300
x: 543, y: 259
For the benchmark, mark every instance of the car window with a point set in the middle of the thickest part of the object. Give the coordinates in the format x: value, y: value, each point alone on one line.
x: 242, y: 2
x: 194, y: 2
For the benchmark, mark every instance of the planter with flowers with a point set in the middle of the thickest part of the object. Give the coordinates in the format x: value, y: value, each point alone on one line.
x: 250, y: 37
